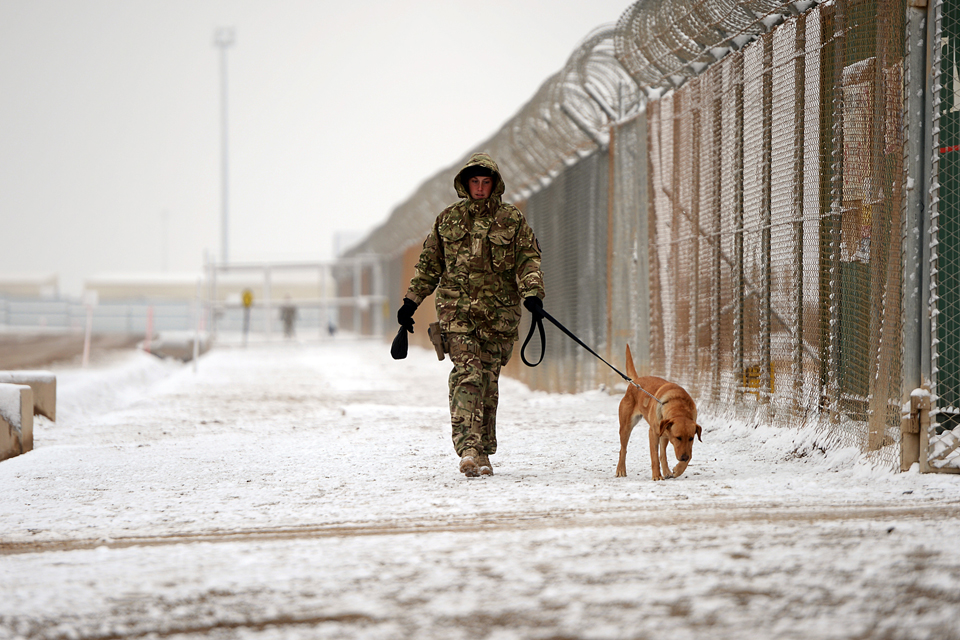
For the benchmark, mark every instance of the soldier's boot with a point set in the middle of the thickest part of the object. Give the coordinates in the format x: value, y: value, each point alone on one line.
x: 468, y: 463
x: 483, y: 461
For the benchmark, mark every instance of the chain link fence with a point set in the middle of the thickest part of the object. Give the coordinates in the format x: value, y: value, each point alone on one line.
x: 943, y: 441
x: 781, y: 295
x: 571, y: 223
x: 747, y: 227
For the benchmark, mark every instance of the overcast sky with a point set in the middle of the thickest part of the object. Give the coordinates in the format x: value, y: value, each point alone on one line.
x: 338, y: 110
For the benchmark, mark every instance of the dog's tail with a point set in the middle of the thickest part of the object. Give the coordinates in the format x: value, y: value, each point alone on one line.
x: 631, y: 370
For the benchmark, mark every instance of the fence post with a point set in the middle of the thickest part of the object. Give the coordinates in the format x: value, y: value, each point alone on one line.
x: 737, y: 267
x: 679, y: 360
x: 357, y: 292
x: 914, y: 225
x: 764, y: 394
x: 799, y: 133
x: 214, y: 304
x: 611, y: 203
x: 268, y: 300
x: 930, y: 193
x: 695, y: 237
x: 640, y: 317
x: 834, y: 216
x: 377, y: 308
x: 651, y: 248
x: 717, y: 302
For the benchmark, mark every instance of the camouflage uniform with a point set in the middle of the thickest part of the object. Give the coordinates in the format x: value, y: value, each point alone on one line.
x: 482, y: 259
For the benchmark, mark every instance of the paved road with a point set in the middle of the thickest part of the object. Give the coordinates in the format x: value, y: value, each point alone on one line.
x: 310, y: 492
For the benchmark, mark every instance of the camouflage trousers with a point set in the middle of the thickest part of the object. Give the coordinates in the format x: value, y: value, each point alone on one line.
x: 474, y: 390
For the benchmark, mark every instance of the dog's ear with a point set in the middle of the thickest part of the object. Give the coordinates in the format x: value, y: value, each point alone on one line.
x: 664, y: 425
x: 699, y: 431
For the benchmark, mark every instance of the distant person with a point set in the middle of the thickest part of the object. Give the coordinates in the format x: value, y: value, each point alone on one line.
x: 288, y: 315
x: 482, y: 259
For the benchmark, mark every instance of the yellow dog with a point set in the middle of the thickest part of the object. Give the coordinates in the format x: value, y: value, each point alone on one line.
x: 671, y: 414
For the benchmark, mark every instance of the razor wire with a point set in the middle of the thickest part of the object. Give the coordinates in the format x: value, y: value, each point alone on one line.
x: 565, y: 121
x: 604, y: 81
x: 664, y: 43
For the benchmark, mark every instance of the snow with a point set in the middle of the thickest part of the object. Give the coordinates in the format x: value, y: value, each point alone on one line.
x: 294, y: 490
x: 771, y: 20
x: 25, y: 376
x: 10, y: 405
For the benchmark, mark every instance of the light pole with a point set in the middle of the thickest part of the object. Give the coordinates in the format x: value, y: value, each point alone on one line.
x: 224, y: 37
x: 164, y: 217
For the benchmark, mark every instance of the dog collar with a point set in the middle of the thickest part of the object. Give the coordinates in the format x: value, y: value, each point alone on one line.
x: 660, y: 405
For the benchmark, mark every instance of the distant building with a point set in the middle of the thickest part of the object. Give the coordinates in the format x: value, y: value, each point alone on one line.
x: 306, y: 283
x: 30, y: 286
x: 154, y: 286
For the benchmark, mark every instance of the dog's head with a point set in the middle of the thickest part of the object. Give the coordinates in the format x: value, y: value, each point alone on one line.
x: 680, y: 432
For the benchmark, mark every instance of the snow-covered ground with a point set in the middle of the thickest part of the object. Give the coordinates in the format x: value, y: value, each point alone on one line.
x: 311, y: 491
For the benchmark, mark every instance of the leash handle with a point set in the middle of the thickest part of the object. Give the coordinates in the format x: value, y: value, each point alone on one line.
x: 536, y: 321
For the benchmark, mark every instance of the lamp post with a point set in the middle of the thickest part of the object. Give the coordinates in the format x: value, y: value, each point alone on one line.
x: 223, y: 38
x: 164, y: 218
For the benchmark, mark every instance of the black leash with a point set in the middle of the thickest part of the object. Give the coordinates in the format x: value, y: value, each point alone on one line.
x: 537, y: 322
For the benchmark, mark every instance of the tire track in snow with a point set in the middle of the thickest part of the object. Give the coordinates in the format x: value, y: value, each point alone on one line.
x: 691, y: 516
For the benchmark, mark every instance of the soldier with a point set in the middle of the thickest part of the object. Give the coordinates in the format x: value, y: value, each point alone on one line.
x: 482, y: 259
x: 288, y: 315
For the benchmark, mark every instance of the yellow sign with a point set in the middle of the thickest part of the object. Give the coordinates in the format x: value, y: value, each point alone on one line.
x: 751, y: 379
x: 247, y: 297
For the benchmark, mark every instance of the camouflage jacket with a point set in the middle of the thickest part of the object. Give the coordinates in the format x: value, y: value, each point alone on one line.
x: 482, y: 259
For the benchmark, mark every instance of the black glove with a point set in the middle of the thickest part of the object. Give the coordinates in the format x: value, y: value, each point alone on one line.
x: 405, y: 314
x: 534, y: 305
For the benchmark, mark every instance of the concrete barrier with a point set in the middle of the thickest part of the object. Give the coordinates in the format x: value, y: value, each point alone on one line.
x: 16, y: 420
x: 177, y: 344
x: 44, y: 386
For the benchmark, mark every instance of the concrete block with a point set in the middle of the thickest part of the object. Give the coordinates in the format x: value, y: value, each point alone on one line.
x: 44, y: 385
x: 179, y: 345
x: 16, y: 420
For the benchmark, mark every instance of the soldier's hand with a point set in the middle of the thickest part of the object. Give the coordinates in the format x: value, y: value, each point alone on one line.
x: 534, y: 305
x: 405, y: 314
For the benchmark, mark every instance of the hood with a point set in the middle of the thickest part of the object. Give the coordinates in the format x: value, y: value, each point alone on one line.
x: 482, y: 160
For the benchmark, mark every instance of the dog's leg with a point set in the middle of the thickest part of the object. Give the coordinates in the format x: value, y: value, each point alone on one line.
x: 680, y: 468
x: 627, y: 422
x: 654, y: 458
x: 622, y: 463
x: 663, y: 457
